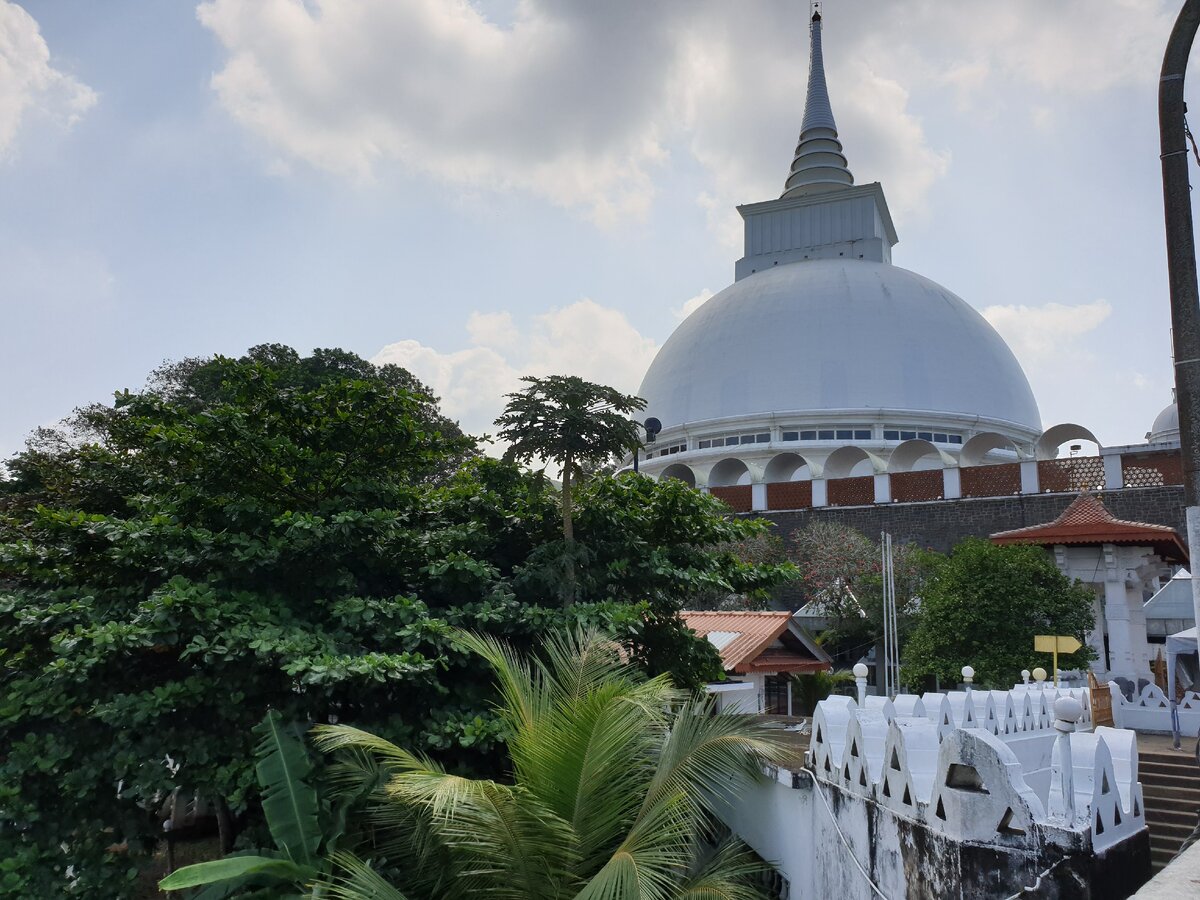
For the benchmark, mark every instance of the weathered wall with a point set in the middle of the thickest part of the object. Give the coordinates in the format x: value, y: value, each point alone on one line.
x: 943, y: 523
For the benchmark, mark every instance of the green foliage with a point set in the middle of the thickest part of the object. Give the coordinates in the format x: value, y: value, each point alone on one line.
x: 291, y: 808
x: 811, y: 688
x: 258, y: 534
x: 615, y: 782
x: 982, y: 605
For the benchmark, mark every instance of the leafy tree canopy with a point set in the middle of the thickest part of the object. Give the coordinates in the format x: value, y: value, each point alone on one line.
x: 252, y: 534
x: 982, y: 605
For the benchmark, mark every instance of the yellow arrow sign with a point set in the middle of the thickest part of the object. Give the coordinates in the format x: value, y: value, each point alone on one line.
x: 1056, y: 644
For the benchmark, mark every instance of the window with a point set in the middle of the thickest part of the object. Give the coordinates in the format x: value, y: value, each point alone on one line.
x: 747, y: 439
x: 925, y: 435
x: 862, y: 434
x: 704, y: 445
x: 775, y: 695
x: 940, y: 438
x: 826, y: 435
x: 956, y: 438
x: 764, y: 438
x: 731, y: 441
x: 791, y: 435
x: 845, y: 434
x: 808, y: 435
x: 891, y: 435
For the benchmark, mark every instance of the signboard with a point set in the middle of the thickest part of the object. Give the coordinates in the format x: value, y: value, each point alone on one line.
x: 1055, y: 644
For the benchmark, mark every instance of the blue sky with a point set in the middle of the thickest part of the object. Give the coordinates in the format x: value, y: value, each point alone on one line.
x: 486, y: 190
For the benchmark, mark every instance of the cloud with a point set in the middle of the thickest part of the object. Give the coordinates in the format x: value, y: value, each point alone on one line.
x: 585, y: 339
x: 692, y: 304
x: 590, y: 105
x: 28, y: 83
x: 1051, y: 331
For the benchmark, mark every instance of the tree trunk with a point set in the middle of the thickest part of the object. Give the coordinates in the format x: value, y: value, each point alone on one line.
x: 568, y: 536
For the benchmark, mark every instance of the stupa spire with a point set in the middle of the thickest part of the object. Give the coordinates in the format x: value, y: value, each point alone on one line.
x: 819, y: 164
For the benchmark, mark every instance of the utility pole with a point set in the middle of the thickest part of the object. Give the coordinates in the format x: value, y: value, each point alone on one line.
x: 1181, y: 270
x: 1181, y: 261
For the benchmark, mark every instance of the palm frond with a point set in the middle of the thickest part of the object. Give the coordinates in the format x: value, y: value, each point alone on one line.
x: 353, y: 879
x: 732, y: 871
x: 709, y: 757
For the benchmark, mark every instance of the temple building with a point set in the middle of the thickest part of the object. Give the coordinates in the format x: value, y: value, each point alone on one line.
x: 823, y: 362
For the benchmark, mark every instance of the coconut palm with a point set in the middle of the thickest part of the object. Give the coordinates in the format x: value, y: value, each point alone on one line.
x: 615, y: 782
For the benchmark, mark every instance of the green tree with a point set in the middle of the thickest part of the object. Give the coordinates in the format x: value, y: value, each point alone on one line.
x: 615, y: 781
x: 982, y: 605
x: 574, y: 424
x: 198, y: 558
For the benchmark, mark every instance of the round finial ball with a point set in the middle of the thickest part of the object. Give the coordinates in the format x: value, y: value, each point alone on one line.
x: 1025, y: 674
x: 967, y: 673
x: 860, y: 670
x: 1039, y: 674
x: 1068, y: 709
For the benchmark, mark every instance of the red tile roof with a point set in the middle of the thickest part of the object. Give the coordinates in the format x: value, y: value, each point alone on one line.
x: 753, y: 632
x: 1087, y: 522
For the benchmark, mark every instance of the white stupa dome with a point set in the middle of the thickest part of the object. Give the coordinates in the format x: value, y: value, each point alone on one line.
x: 836, y: 334
x: 1166, y: 426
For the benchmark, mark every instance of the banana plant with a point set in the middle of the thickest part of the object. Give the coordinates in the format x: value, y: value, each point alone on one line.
x: 293, y: 811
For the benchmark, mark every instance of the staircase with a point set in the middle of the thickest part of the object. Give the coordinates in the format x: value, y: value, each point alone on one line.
x: 1171, y: 790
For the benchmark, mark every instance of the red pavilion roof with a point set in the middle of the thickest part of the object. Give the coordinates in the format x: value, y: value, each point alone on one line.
x: 1087, y: 522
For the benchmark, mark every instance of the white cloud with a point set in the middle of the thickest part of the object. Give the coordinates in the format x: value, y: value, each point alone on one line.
x: 1051, y: 331
x: 587, y: 104
x: 690, y: 305
x: 28, y: 83
x: 585, y: 339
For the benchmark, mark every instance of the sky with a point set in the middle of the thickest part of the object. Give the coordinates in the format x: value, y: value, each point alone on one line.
x: 483, y: 190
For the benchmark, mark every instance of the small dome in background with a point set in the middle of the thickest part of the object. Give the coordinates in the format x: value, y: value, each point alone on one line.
x: 1166, y: 426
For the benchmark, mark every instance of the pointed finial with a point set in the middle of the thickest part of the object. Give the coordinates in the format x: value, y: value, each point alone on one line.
x: 819, y: 164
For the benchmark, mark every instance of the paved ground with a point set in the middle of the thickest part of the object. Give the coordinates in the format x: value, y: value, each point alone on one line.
x: 1161, y: 743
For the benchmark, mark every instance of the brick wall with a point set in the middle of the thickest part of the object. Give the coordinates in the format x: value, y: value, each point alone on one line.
x: 941, y: 524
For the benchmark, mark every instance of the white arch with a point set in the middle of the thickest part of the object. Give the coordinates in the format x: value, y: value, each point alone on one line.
x: 785, y: 466
x: 1054, y: 437
x: 842, y: 460
x: 680, y: 471
x: 728, y: 473
x: 979, y: 446
x: 909, y: 453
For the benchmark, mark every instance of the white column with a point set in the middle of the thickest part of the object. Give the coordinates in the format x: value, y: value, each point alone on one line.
x: 758, y: 496
x: 1029, y: 477
x: 951, y: 483
x: 883, y: 488
x: 1116, y: 613
x: 820, y: 492
x: 1114, y: 475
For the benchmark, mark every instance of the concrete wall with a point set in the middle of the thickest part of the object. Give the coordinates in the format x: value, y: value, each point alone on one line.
x: 943, y: 523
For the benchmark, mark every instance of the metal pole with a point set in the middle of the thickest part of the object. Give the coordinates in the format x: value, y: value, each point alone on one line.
x: 1181, y: 269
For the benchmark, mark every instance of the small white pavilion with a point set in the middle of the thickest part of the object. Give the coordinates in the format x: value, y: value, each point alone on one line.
x: 1123, y: 562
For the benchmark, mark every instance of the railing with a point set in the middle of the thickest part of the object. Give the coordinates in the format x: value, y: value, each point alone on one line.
x: 1152, y: 469
x: 981, y: 765
x: 914, y: 487
x: 858, y: 491
x: 1003, y: 480
x: 1077, y: 473
x: 738, y: 497
x: 789, y: 495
